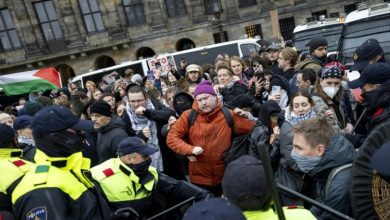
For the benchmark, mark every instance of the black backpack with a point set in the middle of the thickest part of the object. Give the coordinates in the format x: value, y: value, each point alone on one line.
x: 239, y: 145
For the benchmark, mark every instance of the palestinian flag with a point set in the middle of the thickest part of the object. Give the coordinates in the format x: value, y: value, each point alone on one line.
x: 30, y: 81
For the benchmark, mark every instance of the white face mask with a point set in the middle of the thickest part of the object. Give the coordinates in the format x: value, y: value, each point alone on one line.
x: 331, y: 91
x: 26, y: 140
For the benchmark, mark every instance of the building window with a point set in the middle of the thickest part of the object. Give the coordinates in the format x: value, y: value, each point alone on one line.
x: 212, y: 6
x: 350, y: 8
x: 134, y: 11
x: 334, y: 15
x: 8, y: 38
x: 218, y: 37
x: 48, y: 20
x: 175, y: 8
x: 91, y: 14
x: 287, y: 26
x: 247, y: 3
x: 310, y: 19
x: 253, y: 31
x: 318, y: 14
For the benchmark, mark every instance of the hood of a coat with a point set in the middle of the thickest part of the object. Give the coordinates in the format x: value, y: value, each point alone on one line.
x: 339, y: 152
x: 115, y: 122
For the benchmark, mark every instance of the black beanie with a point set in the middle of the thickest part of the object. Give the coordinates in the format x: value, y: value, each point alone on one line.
x: 101, y: 107
x: 316, y: 42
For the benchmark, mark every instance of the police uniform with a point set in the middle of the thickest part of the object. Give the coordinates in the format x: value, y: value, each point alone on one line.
x: 12, y: 168
x: 122, y: 188
x: 291, y: 213
x: 57, y: 188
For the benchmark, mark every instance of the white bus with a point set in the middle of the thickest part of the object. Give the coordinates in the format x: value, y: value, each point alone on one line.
x: 330, y: 29
x: 365, y: 23
x: 199, y: 55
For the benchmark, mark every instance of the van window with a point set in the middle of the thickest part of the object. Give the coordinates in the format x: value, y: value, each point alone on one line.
x: 246, y: 49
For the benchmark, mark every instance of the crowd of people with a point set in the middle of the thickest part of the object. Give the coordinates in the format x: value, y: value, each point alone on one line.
x: 134, y: 148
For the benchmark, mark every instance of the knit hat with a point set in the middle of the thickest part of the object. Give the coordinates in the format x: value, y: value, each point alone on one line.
x: 316, y: 42
x: 331, y: 72
x: 204, y: 86
x: 136, y: 78
x: 32, y: 107
x: 22, y: 122
x: 251, y: 181
x: 7, y: 135
x: 101, y: 107
x: 45, y: 101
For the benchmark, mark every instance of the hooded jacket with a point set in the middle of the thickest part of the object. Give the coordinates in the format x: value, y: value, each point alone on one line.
x: 109, y: 137
x: 211, y: 132
x: 338, y: 152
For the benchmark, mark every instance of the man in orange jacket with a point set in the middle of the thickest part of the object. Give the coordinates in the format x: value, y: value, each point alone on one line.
x: 207, y: 139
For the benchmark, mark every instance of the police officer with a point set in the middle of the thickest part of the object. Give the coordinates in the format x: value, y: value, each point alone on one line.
x: 12, y: 168
x: 130, y: 181
x: 58, y: 187
x: 251, y: 193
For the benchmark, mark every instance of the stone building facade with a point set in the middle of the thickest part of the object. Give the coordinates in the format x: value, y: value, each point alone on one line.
x: 77, y: 36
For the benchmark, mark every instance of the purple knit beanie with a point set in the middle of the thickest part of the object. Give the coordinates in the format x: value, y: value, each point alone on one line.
x: 204, y: 86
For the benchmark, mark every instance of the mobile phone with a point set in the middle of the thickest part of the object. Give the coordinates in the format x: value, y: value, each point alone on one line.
x: 158, y: 65
x: 150, y: 75
x: 275, y: 90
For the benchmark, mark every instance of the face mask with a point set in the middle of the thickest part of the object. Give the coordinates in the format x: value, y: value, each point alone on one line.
x: 330, y: 91
x: 305, y: 164
x: 26, y: 140
x: 141, y: 169
x: 370, y: 99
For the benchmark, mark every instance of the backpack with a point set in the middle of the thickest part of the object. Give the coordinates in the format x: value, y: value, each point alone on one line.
x: 334, y: 173
x: 239, y: 145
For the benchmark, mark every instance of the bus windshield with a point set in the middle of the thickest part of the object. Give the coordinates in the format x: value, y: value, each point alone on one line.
x: 356, y: 33
x: 332, y: 33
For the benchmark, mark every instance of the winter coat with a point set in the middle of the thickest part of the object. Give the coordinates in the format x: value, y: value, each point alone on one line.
x: 108, y: 139
x: 321, y: 107
x: 229, y: 94
x: 289, y: 74
x: 211, y: 132
x: 338, y: 152
x: 310, y: 63
x: 288, y: 174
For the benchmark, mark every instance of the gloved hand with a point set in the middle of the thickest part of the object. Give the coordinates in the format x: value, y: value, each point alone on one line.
x: 125, y: 214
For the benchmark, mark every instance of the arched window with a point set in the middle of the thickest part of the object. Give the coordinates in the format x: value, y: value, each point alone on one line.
x: 145, y: 52
x: 184, y: 44
x: 103, y: 62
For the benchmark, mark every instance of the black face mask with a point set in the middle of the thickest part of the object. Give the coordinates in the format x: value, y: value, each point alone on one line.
x: 371, y: 100
x: 141, y: 169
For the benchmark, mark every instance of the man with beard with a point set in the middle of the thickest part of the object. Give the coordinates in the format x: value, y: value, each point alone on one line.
x: 111, y: 130
x: 375, y: 84
x: 207, y: 139
x: 318, y: 48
